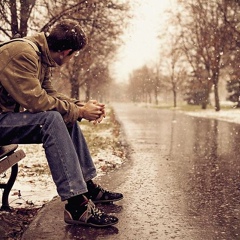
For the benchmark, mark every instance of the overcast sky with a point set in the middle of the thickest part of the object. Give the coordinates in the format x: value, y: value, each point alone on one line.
x: 141, y: 42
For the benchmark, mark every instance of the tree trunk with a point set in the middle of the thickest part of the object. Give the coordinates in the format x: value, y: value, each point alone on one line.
x: 207, y: 90
x: 156, y: 97
x: 14, y: 18
x: 205, y: 99
x: 88, y: 91
x: 150, y: 98
x: 174, y: 99
x: 217, y: 104
x: 216, y: 95
x: 74, y: 88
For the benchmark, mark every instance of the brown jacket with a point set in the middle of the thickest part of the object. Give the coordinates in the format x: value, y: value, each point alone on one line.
x: 25, y: 79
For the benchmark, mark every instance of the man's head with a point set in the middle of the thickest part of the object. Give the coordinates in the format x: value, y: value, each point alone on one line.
x: 65, y: 38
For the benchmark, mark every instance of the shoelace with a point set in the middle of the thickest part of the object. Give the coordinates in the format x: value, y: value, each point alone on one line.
x: 101, y: 189
x: 92, y: 210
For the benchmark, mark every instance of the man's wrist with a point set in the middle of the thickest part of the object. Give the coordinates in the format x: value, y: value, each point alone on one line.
x: 81, y: 112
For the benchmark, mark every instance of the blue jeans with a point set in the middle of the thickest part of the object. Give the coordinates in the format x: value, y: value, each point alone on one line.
x: 65, y: 147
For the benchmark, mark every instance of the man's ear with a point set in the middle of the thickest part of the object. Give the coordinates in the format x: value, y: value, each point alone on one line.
x: 66, y: 52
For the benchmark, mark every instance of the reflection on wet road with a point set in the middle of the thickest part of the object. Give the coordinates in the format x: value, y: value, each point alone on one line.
x: 184, y: 179
x: 211, y: 184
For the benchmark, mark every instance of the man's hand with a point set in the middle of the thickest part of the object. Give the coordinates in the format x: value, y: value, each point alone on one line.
x: 92, y: 111
x: 101, y: 116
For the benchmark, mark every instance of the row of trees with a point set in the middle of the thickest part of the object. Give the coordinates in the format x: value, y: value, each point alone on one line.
x: 203, y: 49
x: 103, y: 22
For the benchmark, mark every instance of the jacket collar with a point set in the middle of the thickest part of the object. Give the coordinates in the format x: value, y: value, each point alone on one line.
x: 40, y: 40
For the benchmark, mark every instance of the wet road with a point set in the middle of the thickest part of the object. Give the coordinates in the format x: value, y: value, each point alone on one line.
x: 182, y: 181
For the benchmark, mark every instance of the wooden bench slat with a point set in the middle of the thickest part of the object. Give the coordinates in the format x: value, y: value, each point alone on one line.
x: 11, y: 160
x: 7, y: 149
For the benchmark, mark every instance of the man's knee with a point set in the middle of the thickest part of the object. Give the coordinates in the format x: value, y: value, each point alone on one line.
x: 53, y: 116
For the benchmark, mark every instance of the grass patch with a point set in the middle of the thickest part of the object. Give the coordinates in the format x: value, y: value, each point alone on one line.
x: 104, y: 135
x: 189, y: 108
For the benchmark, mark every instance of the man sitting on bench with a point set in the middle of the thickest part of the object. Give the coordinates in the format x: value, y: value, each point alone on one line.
x: 32, y: 111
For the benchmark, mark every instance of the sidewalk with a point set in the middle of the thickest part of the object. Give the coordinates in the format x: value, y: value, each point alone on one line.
x: 49, y: 223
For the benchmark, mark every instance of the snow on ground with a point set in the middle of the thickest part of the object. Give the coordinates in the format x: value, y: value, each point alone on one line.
x: 34, y: 185
x: 231, y: 115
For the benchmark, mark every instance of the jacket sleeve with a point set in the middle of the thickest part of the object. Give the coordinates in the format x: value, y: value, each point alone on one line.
x: 20, y: 79
x: 47, y: 85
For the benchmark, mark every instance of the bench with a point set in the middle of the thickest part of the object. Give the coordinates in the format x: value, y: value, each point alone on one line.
x: 9, y: 158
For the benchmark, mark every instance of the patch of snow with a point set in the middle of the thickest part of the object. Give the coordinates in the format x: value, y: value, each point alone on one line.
x: 232, y: 115
x: 34, y: 185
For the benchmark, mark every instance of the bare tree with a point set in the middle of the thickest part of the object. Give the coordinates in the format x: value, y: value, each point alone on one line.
x: 103, y: 23
x: 15, y: 16
x: 144, y: 84
x: 101, y: 20
x: 174, y: 65
x: 136, y: 85
x: 157, y: 76
x: 206, y: 39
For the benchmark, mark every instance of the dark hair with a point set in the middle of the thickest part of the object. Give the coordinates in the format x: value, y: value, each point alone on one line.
x: 66, y: 34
